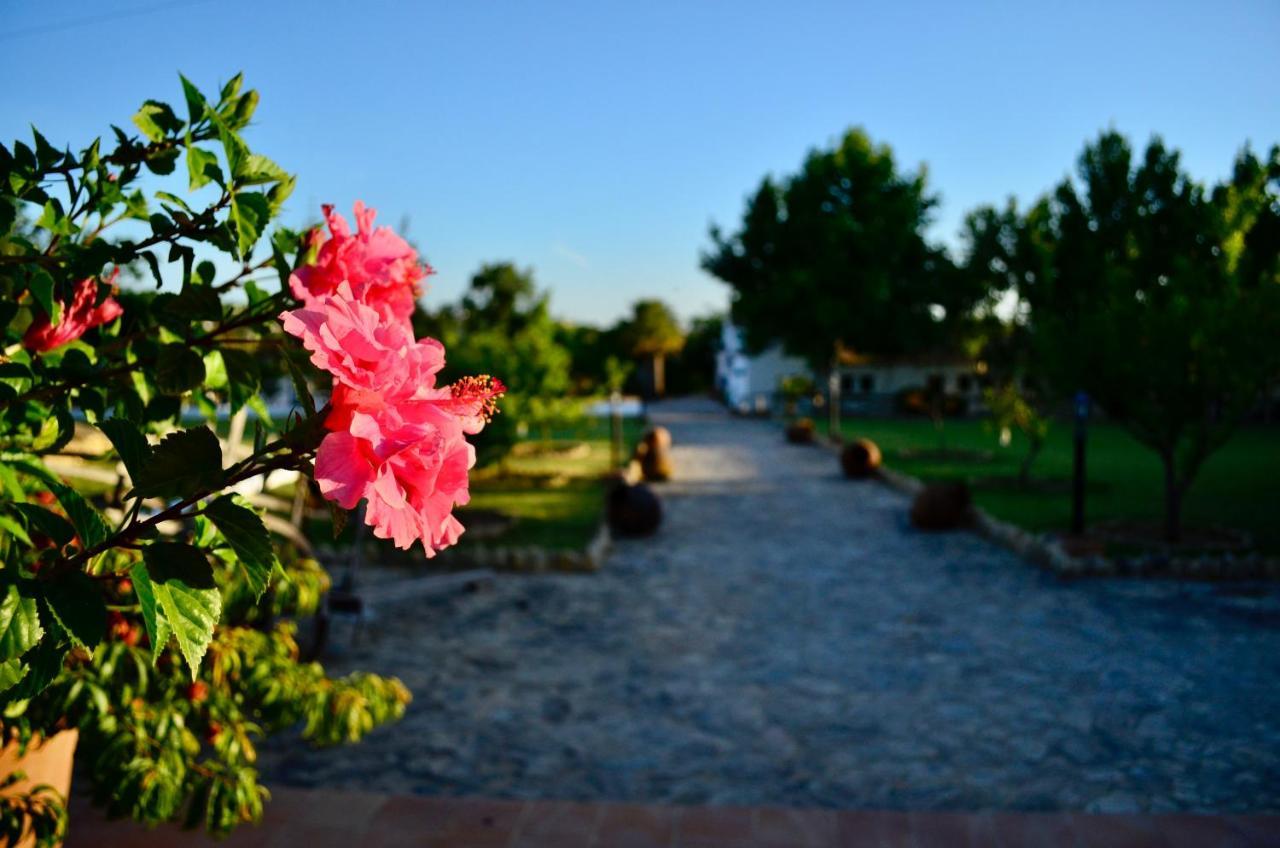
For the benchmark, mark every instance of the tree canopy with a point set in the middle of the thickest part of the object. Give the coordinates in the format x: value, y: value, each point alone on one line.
x: 1158, y: 298
x: 835, y: 256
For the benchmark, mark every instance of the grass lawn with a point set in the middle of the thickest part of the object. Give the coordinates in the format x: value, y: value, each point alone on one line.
x: 555, y: 498
x: 1238, y: 486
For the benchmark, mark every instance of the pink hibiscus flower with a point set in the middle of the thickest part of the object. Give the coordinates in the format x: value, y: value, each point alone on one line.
x: 83, y: 314
x: 381, y: 268
x: 396, y: 439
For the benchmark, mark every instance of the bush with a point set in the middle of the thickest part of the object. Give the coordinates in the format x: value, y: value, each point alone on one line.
x: 155, y: 615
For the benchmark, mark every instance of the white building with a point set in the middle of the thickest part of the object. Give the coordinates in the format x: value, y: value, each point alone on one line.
x: 872, y: 385
x: 748, y: 383
x: 868, y: 386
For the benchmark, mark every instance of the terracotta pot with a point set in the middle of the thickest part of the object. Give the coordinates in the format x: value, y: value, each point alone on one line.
x: 46, y: 762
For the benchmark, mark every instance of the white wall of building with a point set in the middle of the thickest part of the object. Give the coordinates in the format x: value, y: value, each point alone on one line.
x: 748, y: 382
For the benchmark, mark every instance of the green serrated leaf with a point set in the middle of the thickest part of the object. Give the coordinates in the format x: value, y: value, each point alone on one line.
x: 89, y: 523
x: 300, y: 387
x: 164, y: 162
x: 152, y: 616
x: 19, y: 623
x: 41, y: 520
x: 180, y: 369
x: 184, y: 463
x: 232, y: 88
x: 195, y: 100
x: 43, y: 662
x: 77, y: 604
x: 243, y: 379
x: 184, y: 588
x: 42, y: 290
x: 203, y: 168
x: 248, y: 537
x: 15, y: 528
x: 250, y: 212
x: 134, y: 450
x: 11, y: 672
x: 156, y: 120
x: 154, y: 264
x: 197, y: 303
x: 256, y: 169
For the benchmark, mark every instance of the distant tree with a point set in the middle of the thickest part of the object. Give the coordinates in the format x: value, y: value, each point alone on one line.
x: 835, y: 257
x: 589, y: 348
x: 653, y: 333
x: 693, y: 370
x: 1159, y: 300
x: 503, y: 326
x: 501, y: 296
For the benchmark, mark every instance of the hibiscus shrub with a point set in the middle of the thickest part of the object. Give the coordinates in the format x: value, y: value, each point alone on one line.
x: 144, y: 298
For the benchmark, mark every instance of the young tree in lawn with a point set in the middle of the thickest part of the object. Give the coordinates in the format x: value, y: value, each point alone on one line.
x: 653, y: 332
x: 1001, y: 257
x: 1161, y: 300
x: 835, y: 258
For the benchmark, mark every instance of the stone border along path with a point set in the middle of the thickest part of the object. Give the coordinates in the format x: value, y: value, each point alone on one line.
x: 787, y: 639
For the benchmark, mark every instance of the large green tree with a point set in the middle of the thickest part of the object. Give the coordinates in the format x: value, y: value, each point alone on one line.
x: 1161, y: 300
x: 835, y: 257
x: 652, y: 333
x: 503, y: 326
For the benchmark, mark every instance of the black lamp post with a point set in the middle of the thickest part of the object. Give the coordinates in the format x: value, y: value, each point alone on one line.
x: 1077, y: 481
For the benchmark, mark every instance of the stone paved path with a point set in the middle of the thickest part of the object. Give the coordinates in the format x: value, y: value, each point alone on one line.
x: 788, y: 640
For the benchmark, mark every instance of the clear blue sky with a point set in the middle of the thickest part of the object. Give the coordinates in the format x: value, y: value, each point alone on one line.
x: 596, y: 141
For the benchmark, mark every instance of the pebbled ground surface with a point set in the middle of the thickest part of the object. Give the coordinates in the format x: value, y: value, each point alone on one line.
x: 788, y: 639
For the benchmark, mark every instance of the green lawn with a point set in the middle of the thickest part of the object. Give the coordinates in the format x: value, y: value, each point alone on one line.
x: 556, y: 499
x: 1238, y: 487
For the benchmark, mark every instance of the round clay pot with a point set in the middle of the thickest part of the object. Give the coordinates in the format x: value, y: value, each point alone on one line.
x: 633, y: 510
x: 860, y: 458
x: 47, y: 762
x: 653, y: 452
x: 800, y: 432
x: 942, y: 506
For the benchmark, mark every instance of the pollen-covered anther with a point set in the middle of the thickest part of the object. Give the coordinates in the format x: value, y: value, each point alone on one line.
x: 484, y: 390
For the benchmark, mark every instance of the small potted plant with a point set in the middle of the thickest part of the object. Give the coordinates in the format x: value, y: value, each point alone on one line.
x: 145, y: 603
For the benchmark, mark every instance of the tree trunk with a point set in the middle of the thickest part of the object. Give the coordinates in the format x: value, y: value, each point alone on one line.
x: 1172, y: 500
x: 1024, y: 473
x: 659, y: 374
x: 833, y: 405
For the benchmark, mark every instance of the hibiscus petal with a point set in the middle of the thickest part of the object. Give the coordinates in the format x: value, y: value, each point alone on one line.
x: 343, y: 471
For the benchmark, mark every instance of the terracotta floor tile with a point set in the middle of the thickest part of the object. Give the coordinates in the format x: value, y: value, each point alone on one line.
x: 1262, y: 831
x: 1192, y: 831
x: 942, y: 830
x: 874, y: 829
x: 1015, y: 830
x: 777, y: 827
x: 636, y: 826
x: 546, y: 821
x: 322, y: 808
x: 1118, y: 831
x: 715, y: 827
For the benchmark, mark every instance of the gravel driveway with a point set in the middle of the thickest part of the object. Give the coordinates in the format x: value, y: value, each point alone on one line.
x: 788, y: 639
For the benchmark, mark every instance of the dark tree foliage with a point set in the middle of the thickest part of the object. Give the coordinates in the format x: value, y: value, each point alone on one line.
x: 1159, y: 299
x: 835, y: 256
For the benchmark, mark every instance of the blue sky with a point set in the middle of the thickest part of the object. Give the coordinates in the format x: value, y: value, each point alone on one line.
x: 595, y: 142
